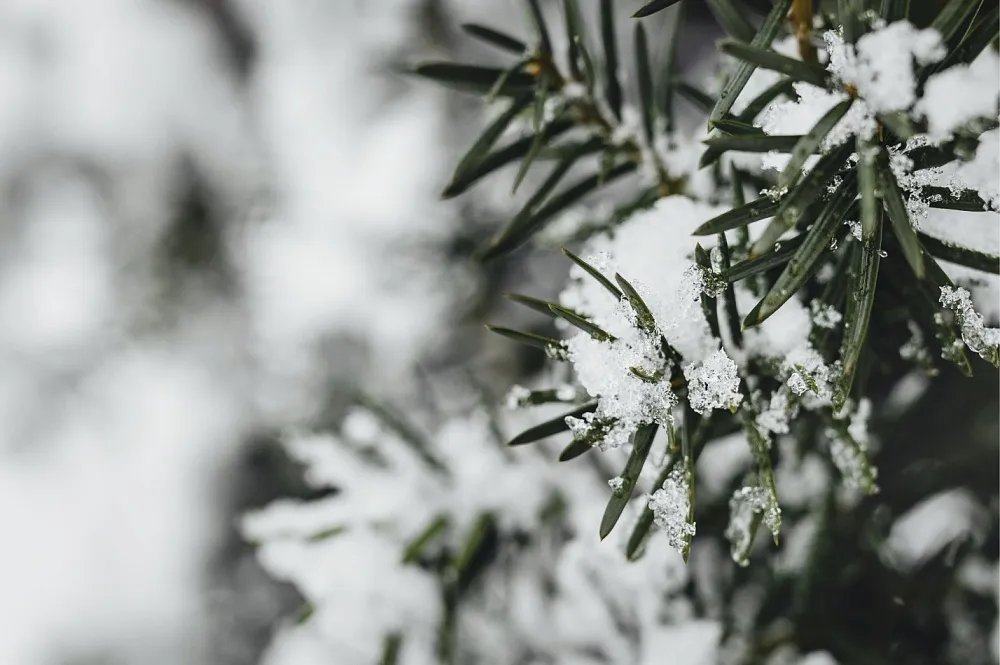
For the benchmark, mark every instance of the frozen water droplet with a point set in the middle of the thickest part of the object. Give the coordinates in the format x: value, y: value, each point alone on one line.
x: 747, y: 507
x: 671, y: 505
x: 717, y: 259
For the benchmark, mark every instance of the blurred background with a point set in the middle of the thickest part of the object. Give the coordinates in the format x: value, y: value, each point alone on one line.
x: 220, y: 219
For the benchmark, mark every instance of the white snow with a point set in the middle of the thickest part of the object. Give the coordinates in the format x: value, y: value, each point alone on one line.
x: 652, y: 251
x: 714, y: 384
x: 930, y: 526
x: 976, y: 85
x: 670, y: 505
x: 881, y: 65
x: 983, y: 340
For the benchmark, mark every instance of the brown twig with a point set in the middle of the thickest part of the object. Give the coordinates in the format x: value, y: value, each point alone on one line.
x: 801, y: 16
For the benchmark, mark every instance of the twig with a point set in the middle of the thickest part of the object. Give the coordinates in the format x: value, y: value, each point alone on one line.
x: 801, y: 16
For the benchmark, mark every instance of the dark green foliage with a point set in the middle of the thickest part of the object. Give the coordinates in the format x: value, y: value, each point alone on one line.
x: 961, y: 255
x: 641, y: 444
x: 739, y: 216
x: 731, y: 19
x: 550, y: 427
x: 540, y: 306
x: 474, y: 78
x: 806, y: 259
x: 810, y: 143
x: 646, y: 104
x: 885, y: 286
x: 694, y: 95
x: 612, y: 87
x: 545, y: 343
x: 574, y: 450
x: 580, y: 322
x: 595, y: 273
x: 794, y: 205
x: 902, y: 227
x: 488, y: 139
x: 795, y: 70
x: 503, y: 156
x: 642, y: 313
x: 530, y: 222
x: 652, y: 7
x: 495, y: 38
x: 845, y: 598
x: 757, y: 265
x: 861, y: 299
x: 763, y: 38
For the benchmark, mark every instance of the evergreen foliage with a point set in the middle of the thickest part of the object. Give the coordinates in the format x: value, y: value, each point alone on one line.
x: 695, y: 317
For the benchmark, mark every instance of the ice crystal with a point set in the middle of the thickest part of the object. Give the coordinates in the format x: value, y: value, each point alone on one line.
x: 855, y: 226
x: 849, y: 448
x: 818, y: 376
x: 775, y: 193
x: 834, y: 184
x: 709, y: 280
x: 900, y: 164
x: 797, y: 384
x: 852, y: 463
x: 984, y: 341
x: 556, y: 352
x: 775, y: 418
x: 603, y: 432
x: 858, y: 423
x: 748, y: 507
x: 912, y: 182
x: 717, y: 259
x: 579, y: 427
x: 714, y: 384
x: 824, y: 316
x: 671, y: 507
x: 915, y: 349
x: 616, y: 484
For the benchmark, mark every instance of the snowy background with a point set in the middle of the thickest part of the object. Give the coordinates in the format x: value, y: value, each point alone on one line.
x: 219, y: 219
x: 215, y: 213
